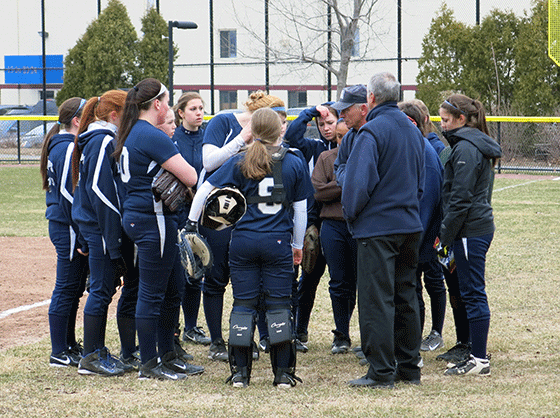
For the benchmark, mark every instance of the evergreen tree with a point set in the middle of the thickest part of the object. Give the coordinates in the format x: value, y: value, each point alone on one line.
x: 104, y: 58
x: 153, y: 49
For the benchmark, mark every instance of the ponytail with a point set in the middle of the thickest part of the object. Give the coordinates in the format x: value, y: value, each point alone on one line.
x: 67, y: 111
x: 267, y: 128
x: 472, y: 109
x: 96, y: 108
x: 140, y: 97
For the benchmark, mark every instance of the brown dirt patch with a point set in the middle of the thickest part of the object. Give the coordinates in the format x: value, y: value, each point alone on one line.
x: 27, y: 276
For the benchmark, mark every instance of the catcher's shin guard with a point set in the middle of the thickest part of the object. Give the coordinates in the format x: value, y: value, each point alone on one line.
x: 240, y: 344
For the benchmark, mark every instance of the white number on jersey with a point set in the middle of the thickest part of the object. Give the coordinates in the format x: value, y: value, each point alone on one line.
x: 265, y: 189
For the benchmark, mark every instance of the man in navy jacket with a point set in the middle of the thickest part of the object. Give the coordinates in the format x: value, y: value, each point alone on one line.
x: 380, y: 198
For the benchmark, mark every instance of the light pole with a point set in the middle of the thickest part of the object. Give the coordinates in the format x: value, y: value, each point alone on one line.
x: 178, y: 25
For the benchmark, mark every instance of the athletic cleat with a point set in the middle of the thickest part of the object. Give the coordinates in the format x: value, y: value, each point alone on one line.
x: 238, y: 380
x: 367, y: 382
x: 432, y: 342
x: 256, y: 353
x: 99, y: 362
x: 64, y: 359
x: 174, y: 363
x: 358, y: 352
x: 130, y: 364
x: 263, y: 345
x: 181, y: 353
x: 303, y: 337
x: 472, y: 366
x: 77, y: 349
x: 341, y: 343
x: 457, y: 354
x: 196, y: 335
x: 218, y: 351
x: 285, y: 380
x: 300, y: 346
x: 155, y: 369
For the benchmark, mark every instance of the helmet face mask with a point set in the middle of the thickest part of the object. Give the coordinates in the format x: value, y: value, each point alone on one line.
x: 223, y: 208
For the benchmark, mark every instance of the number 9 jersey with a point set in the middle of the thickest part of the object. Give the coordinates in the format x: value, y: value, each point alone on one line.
x: 266, y: 217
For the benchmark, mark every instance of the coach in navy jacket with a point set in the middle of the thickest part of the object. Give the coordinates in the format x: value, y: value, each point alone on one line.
x: 380, y: 198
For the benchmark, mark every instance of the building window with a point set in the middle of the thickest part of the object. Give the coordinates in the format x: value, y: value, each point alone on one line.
x: 356, y: 46
x: 228, y: 100
x: 228, y: 44
x: 297, y: 99
x: 49, y: 94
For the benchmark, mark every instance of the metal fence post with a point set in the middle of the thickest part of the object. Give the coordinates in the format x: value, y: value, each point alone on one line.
x: 18, y: 143
x: 500, y: 143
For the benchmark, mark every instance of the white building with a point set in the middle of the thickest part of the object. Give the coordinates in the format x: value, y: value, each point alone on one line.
x: 235, y: 72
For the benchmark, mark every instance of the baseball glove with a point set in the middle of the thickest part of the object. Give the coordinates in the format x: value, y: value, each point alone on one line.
x: 311, y: 248
x: 169, y: 188
x: 196, y: 255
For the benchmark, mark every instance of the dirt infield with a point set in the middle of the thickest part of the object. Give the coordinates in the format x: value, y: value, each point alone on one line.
x: 27, y: 276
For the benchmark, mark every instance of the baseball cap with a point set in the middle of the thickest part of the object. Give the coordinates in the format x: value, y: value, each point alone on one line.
x: 351, y: 95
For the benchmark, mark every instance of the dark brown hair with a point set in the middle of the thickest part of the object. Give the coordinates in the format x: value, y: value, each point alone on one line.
x: 182, y: 103
x: 68, y: 110
x: 138, y: 98
x: 459, y: 104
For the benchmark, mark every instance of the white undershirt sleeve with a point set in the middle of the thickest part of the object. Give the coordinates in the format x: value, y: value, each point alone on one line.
x: 300, y: 223
x: 213, y: 157
x: 198, y: 201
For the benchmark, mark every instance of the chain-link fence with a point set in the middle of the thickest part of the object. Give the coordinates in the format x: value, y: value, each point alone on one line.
x: 528, y: 144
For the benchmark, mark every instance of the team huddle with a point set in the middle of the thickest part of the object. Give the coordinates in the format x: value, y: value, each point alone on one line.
x: 141, y: 198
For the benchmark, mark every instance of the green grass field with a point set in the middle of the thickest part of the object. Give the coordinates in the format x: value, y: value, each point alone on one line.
x: 522, y: 285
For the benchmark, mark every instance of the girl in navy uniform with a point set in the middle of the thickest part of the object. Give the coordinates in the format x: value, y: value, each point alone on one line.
x: 71, y: 265
x: 96, y: 209
x: 188, y: 138
x: 263, y: 249
x: 225, y: 135
x: 326, y: 118
x: 144, y: 151
x: 338, y: 245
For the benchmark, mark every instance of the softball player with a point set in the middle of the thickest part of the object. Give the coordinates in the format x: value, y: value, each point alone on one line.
x: 96, y: 210
x: 225, y: 135
x: 339, y: 248
x: 326, y: 118
x: 262, y: 252
x: 144, y: 152
x: 188, y: 137
x: 71, y: 265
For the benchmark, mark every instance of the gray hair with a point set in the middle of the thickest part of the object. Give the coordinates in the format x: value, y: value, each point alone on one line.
x: 384, y: 87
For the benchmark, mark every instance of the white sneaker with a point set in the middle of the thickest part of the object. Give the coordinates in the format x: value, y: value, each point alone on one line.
x: 472, y: 366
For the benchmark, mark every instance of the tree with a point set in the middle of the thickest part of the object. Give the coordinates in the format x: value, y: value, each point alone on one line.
x: 153, y: 49
x: 104, y: 58
x: 302, y: 33
x: 537, y: 91
x: 489, y: 63
x: 441, y: 67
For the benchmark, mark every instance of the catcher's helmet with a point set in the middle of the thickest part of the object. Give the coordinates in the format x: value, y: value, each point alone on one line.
x: 223, y: 208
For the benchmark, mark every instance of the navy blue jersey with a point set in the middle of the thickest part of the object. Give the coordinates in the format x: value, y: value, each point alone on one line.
x: 59, y: 197
x: 263, y: 217
x: 220, y: 130
x: 96, y: 205
x: 145, y: 149
x: 189, y: 144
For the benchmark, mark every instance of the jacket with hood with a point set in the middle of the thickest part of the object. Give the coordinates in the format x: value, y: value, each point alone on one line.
x: 467, y: 177
x: 97, y: 206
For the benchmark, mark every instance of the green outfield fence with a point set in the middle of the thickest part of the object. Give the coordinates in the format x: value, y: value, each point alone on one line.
x: 529, y: 144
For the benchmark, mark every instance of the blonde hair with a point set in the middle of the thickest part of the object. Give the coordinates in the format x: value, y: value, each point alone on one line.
x: 260, y: 99
x: 267, y: 128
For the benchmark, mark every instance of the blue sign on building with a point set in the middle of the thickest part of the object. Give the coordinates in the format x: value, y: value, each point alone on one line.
x: 28, y: 69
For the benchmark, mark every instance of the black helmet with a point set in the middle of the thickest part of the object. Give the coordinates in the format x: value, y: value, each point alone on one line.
x: 223, y: 208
